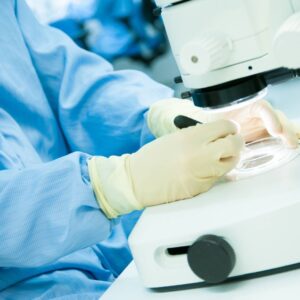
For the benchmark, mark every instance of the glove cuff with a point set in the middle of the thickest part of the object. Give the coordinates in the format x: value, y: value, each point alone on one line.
x: 112, y: 185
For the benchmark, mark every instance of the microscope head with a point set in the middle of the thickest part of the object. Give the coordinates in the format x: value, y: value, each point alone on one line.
x: 228, y: 52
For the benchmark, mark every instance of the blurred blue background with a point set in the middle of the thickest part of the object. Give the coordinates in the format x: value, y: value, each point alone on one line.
x: 125, y: 32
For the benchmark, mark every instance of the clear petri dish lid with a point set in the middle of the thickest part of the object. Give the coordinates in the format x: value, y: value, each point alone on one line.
x: 262, y: 156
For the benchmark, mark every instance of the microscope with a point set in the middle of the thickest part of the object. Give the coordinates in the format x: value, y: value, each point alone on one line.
x: 228, y: 52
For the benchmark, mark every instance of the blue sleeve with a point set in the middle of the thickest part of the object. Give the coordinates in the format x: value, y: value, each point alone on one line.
x: 101, y: 111
x: 29, y: 236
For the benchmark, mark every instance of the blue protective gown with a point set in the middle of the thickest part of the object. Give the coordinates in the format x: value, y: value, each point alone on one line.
x: 59, y: 105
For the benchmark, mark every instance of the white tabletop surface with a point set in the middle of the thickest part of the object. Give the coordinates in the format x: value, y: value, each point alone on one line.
x: 284, y: 286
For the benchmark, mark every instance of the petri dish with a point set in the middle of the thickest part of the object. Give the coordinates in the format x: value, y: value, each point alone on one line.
x: 261, y: 156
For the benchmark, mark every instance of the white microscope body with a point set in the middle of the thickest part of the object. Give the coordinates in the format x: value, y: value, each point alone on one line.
x: 227, y: 51
x: 216, y: 42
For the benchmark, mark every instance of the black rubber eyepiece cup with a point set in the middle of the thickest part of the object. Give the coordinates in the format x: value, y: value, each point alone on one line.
x: 211, y: 258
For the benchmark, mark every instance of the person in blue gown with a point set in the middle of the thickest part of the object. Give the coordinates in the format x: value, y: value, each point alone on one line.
x: 57, y: 100
x: 59, y: 106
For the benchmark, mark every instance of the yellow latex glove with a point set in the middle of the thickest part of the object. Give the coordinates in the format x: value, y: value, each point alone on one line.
x: 257, y: 120
x: 296, y: 126
x: 174, y: 167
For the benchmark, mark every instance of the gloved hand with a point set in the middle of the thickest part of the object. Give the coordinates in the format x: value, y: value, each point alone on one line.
x: 296, y: 127
x: 257, y: 120
x: 174, y: 167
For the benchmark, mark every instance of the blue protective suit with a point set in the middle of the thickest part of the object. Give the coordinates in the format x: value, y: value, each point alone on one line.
x: 59, y: 105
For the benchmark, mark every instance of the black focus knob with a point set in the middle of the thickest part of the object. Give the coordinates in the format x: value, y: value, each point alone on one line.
x: 186, y: 95
x: 178, y: 79
x: 211, y: 258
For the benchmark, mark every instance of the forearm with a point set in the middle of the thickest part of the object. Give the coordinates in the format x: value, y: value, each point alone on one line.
x: 47, y: 212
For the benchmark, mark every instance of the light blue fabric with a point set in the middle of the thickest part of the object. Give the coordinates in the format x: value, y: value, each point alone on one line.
x: 81, y: 10
x: 59, y: 105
